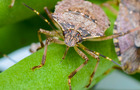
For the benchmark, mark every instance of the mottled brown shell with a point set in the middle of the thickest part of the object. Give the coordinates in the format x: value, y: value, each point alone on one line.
x: 129, y: 18
x: 86, y: 18
x: 132, y: 5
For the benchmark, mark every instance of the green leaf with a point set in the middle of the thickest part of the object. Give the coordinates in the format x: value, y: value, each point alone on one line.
x: 53, y: 75
x: 15, y: 36
x: 19, y: 12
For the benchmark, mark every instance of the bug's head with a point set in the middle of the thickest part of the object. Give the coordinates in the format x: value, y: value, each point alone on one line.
x: 72, y: 37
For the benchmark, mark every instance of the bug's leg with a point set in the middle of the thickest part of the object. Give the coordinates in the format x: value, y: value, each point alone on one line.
x: 107, y: 71
x: 113, y: 36
x: 75, y: 71
x: 12, y: 3
x: 96, y: 55
x: 49, y: 40
x: 110, y: 69
x: 35, y: 47
x: 96, y: 66
x: 93, y: 73
x: 44, y: 20
x: 65, y: 52
x: 44, y: 55
x: 48, y: 33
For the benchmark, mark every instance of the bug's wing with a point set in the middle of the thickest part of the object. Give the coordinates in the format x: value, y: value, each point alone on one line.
x: 131, y: 60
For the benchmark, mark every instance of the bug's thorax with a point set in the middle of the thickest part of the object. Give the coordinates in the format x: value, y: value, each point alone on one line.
x: 72, y: 37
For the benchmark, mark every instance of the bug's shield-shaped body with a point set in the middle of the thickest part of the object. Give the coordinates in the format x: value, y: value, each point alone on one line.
x: 80, y: 20
x: 129, y: 18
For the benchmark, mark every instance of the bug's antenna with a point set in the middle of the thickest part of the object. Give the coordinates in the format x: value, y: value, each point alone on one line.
x: 87, y: 50
x: 4, y: 55
x: 44, y: 19
x: 106, y: 58
x: 109, y: 59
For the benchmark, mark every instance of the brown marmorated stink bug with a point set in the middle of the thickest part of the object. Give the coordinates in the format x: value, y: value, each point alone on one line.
x: 79, y: 21
x: 128, y: 46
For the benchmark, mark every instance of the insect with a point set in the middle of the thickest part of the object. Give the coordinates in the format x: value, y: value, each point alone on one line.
x: 128, y: 46
x: 77, y: 21
x: 12, y: 3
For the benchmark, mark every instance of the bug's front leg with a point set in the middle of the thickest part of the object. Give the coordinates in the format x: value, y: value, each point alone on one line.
x: 44, y: 55
x: 35, y: 47
x: 47, y: 33
x: 50, y: 34
x: 12, y: 3
x: 49, y: 40
x: 75, y: 71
